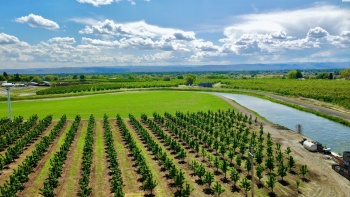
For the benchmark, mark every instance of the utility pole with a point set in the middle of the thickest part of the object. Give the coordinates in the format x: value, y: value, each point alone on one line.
x: 251, y: 153
x: 9, y: 102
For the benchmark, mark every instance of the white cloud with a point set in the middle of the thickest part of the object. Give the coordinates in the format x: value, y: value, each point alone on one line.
x: 8, y: 39
x: 294, y: 22
x: 38, y: 21
x: 61, y: 40
x: 317, y: 32
x: 136, y: 29
x: 97, y: 2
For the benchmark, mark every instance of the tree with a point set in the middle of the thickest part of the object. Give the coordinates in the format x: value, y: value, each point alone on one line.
x: 238, y: 161
x: 200, y: 171
x: 190, y: 79
x: 291, y: 163
x: 246, y: 185
x: 82, y: 77
x: 224, y: 167
x: 180, y: 179
x: 304, y: 170
x: 269, y: 163
x: 5, y: 75
x: 166, y: 78
x: 259, y: 172
x: 218, y: 189
x: 344, y: 73
x: 208, y: 178
x: 282, y: 170
x: 17, y: 77
x: 150, y: 183
x: 234, y: 175
x: 298, y: 185
x: 231, y: 154
x: 248, y: 165
x: 294, y: 74
x: 288, y: 151
x: 271, y: 181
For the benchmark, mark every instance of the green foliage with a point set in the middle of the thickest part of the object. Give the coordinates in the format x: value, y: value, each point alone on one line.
x: 190, y: 79
x: 345, y: 73
x: 271, y: 181
x: 218, y: 189
x: 304, y: 170
x: 208, y: 178
x: 234, y: 175
x: 294, y: 74
x: 246, y: 185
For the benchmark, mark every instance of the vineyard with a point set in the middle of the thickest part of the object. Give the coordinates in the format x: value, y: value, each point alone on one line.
x: 181, y: 154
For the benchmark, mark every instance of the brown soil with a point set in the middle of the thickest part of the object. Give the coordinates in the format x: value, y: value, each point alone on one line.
x: 129, y: 174
x: 68, y: 183
x: 8, y: 170
x: 323, y: 181
x: 31, y: 188
x: 99, y: 180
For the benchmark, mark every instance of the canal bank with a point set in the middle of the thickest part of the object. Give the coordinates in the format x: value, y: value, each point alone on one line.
x: 325, y: 181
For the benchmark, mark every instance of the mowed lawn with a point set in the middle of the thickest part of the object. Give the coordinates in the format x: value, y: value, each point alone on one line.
x: 122, y: 103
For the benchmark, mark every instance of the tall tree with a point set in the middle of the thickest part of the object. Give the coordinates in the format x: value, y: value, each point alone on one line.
x: 190, y: 79
x: 5, y: 75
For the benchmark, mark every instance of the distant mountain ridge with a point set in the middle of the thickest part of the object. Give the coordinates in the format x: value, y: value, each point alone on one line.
x: 134, y: 69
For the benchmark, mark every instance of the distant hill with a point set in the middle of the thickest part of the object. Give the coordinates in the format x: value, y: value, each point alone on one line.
x: 124, y: 69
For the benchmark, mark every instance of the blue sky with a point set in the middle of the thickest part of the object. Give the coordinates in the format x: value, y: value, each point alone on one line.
x: 61, y: 33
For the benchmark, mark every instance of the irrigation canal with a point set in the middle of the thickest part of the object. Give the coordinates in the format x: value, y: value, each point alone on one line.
x: 329, y: 133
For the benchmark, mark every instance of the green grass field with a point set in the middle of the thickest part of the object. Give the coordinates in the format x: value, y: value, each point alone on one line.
x: 122, y: 103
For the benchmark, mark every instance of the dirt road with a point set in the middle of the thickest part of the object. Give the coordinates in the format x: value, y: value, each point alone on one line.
x: 323, y: 180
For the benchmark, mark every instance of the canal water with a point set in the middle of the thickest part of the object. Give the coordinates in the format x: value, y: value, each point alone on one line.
x: 334, y: 135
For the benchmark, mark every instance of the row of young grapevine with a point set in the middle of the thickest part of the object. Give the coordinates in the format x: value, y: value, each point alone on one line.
x: 198, y: 170
x: 11, y: 137
x: 7, y: 126
x: 148, y: 182
x: 116, y: 180
x: 13, y: 152
x: 174, y: 172
x: 169, y: 141
x: 105, y: 86
x: 20, y: 175
x: 87, y: 159
x: 58, y: 160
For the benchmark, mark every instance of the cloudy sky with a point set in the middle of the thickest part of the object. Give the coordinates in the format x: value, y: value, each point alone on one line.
x: 60, y: 33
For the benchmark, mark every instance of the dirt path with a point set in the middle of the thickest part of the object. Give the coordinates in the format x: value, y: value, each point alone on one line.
x: 69, y: 181
x: 99, y: 174
x: 7, y: 171
x: 323, y: 181
x: 131, y: 186
x: 40, y: 172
